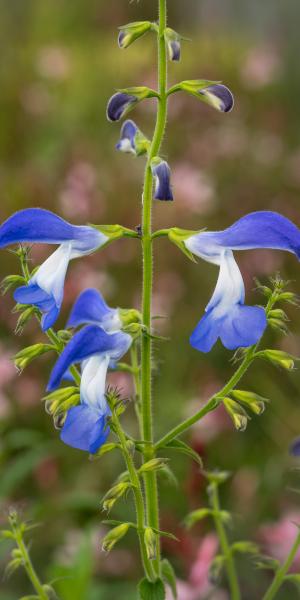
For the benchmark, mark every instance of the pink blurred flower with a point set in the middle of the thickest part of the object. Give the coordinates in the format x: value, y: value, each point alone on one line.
x: 54, y: 62
x: 79, y: 190
x: 278, y: 538
x: 194, y: 189
x: 198, y: 585
x: 260, y: 67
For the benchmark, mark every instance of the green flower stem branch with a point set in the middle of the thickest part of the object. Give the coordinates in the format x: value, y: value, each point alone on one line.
x: 22, y: 558
x: 224, y: 543
x: 146, y: 363
x: 138, y: 496
x: 279, y: 578
x: 216, y: 399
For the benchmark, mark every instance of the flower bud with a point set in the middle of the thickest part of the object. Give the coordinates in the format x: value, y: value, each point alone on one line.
x: 173, y: 40
x: 131, y: 32
x: 295, y: 447
x: 155, y: 464
x: 24, y: 317
x: 236, y: 413
x: 162, y: 173
x: 11, y: 281
x: 278, y: 358
x: 25, y: 356
x: 132, y: 140
x: 113, y: 536
x: 114, y: 494
x: 213, y: 93
x: 124, y: 100
x: 253, y: 401
x: 129, y: 316
x: 150, y: 543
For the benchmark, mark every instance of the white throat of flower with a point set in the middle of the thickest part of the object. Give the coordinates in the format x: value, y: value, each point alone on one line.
x: 93, y: 381
x: 51, y: 274
x: 230, y: 289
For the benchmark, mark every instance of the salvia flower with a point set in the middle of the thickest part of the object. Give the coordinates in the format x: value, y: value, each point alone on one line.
x: 213, y: 93
x: 162, y: 173
x: 132, y: 140
x: 173, y: 42
x: 124, y: 100
x: 131, y: 32
x: 45, y: 289
x: 85, y: 426
x: 226, y: 316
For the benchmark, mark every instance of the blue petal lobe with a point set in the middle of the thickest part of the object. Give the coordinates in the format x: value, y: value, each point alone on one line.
x: 90, y: 307
x: 118, y: 105
x: 88, y: 341
x: 84, y: 429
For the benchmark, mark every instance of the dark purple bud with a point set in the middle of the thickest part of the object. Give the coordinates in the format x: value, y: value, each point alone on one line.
x: 119, y: 104
x: 219, y: 96
x: 174, y: 51
x: 162, y: 173
x: 295, y: 447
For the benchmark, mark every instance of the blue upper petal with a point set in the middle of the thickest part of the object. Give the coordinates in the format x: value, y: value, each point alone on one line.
x: 261, y: 229
x: 127, y: 137
x: 90, y: 307
x: 40, y: 225
x: 84, y: 429
x: 88, y: 341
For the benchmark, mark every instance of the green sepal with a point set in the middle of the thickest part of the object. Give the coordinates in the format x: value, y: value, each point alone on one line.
x: 27, y: 355
x: 178, y: 236
x: 151, y: 590
x: 154, y: 464
x: 267, y: 562
x: 184, y: 449
x: 25, y: 316
x: 129, y: 316
x: 169, y: 576
x: 114, y: 232
x: 192, y: 86
x: 150, y: 543
x: 133, y: 31
x: 217, y: 477
x: 244, y: 547
x: 11, y: 281
x: 278, y: 358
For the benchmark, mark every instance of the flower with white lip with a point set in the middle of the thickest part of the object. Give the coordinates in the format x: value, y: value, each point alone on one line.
x: 85, y: 426
x: 45, y: 289
x: 226, y: 316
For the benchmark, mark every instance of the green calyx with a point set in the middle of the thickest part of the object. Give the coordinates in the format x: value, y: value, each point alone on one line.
x: 114, y: 232
x: 129, y: 316
x: 192, y: 86
x: 132, y: 31
x: 178, y: 236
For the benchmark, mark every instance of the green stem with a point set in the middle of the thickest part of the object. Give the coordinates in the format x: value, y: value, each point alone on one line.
x: 29, y: 568
x: 281, y: 573
x: 225, y: 546
x: 212, y: 403
x: 138, y: 496
x: 136, y: 380
x: 215, y: 399
x: 146, y: 364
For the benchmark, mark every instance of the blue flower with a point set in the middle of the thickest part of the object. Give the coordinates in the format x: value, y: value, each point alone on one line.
x: 218, y: 96
x: 295, y: 447
x: 85, y: 427
x: 226, y: 317
x: 162, y: 173
x: 91, y: 308
x: 46, y: 287
x: 127, y: 137
x: 173, y: 42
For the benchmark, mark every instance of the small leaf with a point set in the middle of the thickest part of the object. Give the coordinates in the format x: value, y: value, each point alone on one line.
x: 185, y: 449
x: 293, y: 578
x: 168, y: 575
x: 197, y: 515
x: 149, y: 590
x: 244, y: 547
x: 267, y: 562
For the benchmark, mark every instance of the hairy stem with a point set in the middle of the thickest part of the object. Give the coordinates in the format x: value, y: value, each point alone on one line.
x: 225, y: 546
x: 281, y: 573
x: 29, y: 568
x: 138, y: 497
x: 146, y: 364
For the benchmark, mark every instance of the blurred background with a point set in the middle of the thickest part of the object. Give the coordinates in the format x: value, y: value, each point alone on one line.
x: 60, y: 64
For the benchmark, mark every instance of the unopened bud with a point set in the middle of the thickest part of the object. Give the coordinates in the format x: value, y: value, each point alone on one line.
x: 132, y: 31
x: 253, y: 401
x: 173, y: 41
x: 279, y: 358
x: 114, y: 536
x: 129, y: 316
x: 25, y: 356
x: 150, y: 543
x: 155, y: 464
x: 114, y: 494
x: 237, y: 414
x: 11, y: 281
